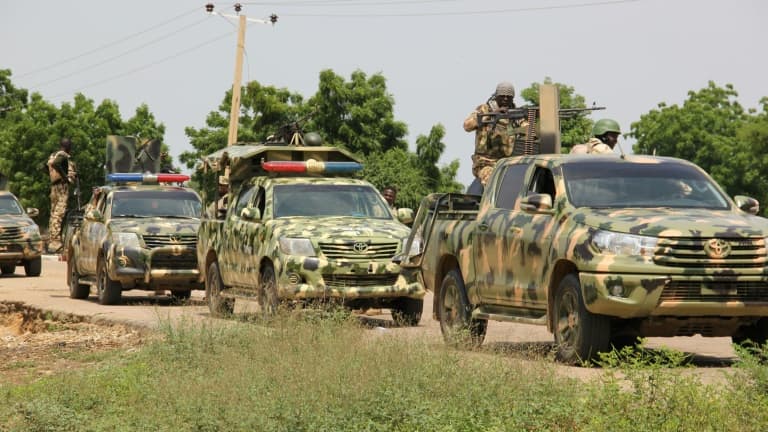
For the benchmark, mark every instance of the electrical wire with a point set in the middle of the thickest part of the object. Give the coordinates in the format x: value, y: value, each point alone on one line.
x: 107, y: 45
x: 146, y: 66
x: 117, y: 56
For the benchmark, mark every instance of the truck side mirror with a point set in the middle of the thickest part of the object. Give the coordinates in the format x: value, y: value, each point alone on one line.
x: 747, y: 204
x: 94, y: 216
x: 536, y: 202
x: 250, y: 214
x: 33, y: 212
x: 405, y: 215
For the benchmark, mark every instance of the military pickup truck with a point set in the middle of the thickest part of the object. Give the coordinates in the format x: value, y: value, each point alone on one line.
x: 20, y: 242
x: 299, y: 229
x: 600, y: 249
x: 138, y: 232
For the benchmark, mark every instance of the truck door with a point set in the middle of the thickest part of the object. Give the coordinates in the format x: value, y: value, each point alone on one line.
x: 232, y: 258
x: 528, y: 239
x: 91, y: 236
x: 493, y: 256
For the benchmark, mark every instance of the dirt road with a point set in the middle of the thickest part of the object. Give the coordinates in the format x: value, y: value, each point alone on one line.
x: 49, y: 292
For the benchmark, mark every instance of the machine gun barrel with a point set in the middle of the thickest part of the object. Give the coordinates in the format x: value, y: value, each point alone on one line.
x: 492, y: 118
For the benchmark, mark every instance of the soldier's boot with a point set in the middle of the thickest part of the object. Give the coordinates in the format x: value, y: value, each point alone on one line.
x: 55, y: 246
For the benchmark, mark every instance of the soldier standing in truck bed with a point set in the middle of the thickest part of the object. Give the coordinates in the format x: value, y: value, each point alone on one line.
x: 494, y: 141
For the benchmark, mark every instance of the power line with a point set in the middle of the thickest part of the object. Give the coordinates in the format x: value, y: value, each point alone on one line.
x: 107, y: 45
x: 146, y: 66
x: 117, y: 56
x: 346, y: 3
x: 471, y: 12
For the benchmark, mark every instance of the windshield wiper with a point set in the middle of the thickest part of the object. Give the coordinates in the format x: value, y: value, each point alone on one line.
x: 176, y: 217
x: 129, y: 216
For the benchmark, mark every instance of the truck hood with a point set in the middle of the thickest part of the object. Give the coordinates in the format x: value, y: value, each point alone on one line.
x: 8, y: 221
x: 339, y: 228
x: 667, y: 222
x: 154, y: 226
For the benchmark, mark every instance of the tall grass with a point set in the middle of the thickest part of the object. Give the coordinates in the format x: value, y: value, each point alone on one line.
x: 309, y: 373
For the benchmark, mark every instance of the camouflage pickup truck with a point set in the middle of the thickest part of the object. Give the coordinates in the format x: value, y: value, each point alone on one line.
x: 20, y: 242
x: 137, y: 232
x: 600, y: 249
x: 298, y: 228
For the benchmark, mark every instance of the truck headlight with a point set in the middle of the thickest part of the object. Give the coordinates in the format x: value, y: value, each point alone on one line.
x: 415, y: 248
x: 296, y: 246
x: 30, y: 229
x: 613, y: 243
x: 122, y: 239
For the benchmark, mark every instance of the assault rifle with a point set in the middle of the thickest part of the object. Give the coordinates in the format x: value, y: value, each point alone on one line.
x: 531, y: 114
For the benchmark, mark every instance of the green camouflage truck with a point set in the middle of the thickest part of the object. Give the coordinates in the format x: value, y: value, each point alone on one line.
x: 600, y: 249
x: 137, y: 232
x: 299, y: 228
x: 20, y: 242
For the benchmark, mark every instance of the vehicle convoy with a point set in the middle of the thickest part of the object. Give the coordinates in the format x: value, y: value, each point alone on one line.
x: 138, y: 232
x: 600, y: 249
x: 20, y: 242
x: 299, y: 228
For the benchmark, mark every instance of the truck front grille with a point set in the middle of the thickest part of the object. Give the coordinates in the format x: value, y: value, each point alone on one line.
x: 359, y: 250
x: 187, y: 261
x: 343, y: 281
x: 10, y: 234
x: 715, y: 291
x: 158, y: 240
x: 692, y: 253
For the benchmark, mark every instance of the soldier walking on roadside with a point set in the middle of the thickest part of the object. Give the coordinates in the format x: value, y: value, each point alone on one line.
x: 62, y: 173
x: 497, y: 140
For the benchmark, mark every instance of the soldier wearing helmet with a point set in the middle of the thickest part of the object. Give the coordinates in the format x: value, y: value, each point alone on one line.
x: 605, y: 136
x: 493, y: 141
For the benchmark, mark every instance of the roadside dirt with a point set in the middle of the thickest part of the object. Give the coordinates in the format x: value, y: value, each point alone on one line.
x: 34, y: 343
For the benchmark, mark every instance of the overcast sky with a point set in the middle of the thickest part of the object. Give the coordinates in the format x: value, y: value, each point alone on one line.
x: 441, y: 58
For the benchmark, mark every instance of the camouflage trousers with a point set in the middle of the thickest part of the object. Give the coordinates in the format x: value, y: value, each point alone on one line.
x: 59, y: 197
x: 482, y: 166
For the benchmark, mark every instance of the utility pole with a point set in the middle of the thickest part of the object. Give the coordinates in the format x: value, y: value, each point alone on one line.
x: 234, y: 113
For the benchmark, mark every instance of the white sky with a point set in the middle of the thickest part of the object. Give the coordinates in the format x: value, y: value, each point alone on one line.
x: 441, y: 58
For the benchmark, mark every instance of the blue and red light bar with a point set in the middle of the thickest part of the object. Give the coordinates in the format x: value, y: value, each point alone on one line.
x: 311, y: 166
x: 146, y: 178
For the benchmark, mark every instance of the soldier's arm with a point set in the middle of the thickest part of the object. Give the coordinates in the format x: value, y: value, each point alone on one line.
x: 61, y: 165
x: 470, y: 123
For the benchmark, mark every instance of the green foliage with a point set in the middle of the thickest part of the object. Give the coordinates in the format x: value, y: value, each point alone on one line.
x: 575, y: 130
x: 32, y: 130
x: 712, y: 130
x: 357, y: 115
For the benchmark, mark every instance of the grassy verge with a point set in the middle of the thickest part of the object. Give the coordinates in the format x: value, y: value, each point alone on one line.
x: 327, y: 374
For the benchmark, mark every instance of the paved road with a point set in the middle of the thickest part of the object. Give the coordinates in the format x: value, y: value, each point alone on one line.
x: 50, y: 292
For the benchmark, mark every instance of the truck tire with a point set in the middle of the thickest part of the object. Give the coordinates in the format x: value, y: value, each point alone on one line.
x: 268, y: 290
x: 33, y: 267
x: 110, y: 291
x: 455, y: 313
x: 8, y: 269
x: 755, y: 334
x: 217, y: 305
x: 579, y: 334
x: 407, y: 311
x: 76, y: 289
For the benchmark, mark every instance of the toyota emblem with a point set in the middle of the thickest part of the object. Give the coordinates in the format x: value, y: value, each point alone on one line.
x: 175, y: 239
x: 716, y: 248
x: 360, y: 247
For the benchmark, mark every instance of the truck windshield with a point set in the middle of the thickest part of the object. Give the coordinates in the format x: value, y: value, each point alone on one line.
x: 160, y: 203
x: 329, y: 200
x: 621, y: 184
x: 9, y: 206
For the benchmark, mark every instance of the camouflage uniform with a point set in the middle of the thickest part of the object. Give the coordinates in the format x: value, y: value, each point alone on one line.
x: 492, y: 143
x: 593, y: 146
x: 62, y: 173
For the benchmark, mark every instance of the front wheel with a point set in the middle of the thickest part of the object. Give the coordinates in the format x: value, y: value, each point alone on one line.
x: 579, y: 334
x: 110, y: 291
x: 407, y: 311
x: 217, y: 305
x: 33, y: 267
x: 456, y: 322
x: 755, y: 334
x: 8, y: 269
x: 268, y: 290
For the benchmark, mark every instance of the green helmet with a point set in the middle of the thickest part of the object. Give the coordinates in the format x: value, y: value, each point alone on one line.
x: 605, y: 125
x: 505, y: 89
x: 312, y: 139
